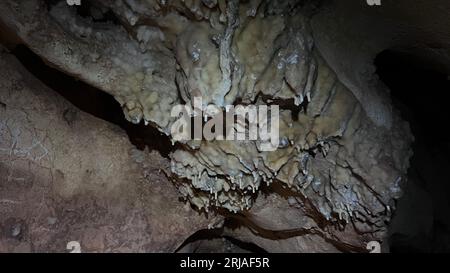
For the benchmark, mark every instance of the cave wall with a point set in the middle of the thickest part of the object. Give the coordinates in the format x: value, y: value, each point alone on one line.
x: 67, y: 176
x: 153, y: 56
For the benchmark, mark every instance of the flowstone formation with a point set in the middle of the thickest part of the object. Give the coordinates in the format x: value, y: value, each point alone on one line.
x: 152, y: 55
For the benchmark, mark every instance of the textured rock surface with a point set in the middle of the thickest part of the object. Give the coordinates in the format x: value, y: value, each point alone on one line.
x: 349, y: 35
x: 151, y: 55
x: 66, y: 176
x: 286, y: 222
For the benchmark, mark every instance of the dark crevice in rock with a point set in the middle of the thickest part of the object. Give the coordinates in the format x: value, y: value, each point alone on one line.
x: 420, y: 90
x: 99, y: 14
x: 196, y: 241
x: 204, y: 234
x: 93, y: 101
x: 283, y: 104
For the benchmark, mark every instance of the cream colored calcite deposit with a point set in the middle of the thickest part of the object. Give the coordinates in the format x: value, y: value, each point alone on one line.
x: 162, y: 53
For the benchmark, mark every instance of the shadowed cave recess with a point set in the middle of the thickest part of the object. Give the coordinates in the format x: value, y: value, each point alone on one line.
x: 362, y: 154
x: 421, y: 222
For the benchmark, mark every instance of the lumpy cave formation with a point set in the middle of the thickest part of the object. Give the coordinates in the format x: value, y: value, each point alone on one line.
x: 87, y: 154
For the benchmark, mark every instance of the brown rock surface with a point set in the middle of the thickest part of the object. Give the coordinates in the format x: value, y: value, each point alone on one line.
x: 77, y: 178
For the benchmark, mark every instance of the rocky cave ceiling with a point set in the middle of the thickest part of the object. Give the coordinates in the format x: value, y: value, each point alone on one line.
x: 332, y: 185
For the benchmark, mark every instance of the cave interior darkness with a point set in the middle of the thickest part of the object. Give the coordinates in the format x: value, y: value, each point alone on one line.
x: 421, y: 222
x: 421, y: 93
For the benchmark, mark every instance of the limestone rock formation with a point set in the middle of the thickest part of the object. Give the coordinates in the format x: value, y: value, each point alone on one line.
x: 66, y: 176
x: 343, y: 166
